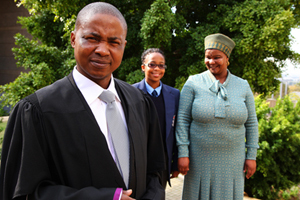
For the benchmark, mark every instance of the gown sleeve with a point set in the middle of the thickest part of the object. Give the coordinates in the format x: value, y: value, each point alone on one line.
x: 184, y: 118
x: 25, y: 171
x: 251, y: 126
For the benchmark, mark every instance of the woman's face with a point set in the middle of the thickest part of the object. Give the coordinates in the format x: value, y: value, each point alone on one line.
x: 153, y: 75
x: 216, y: 62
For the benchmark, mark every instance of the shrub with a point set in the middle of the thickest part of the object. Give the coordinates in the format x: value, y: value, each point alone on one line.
x: 278, y: 156
x: 293, y: 193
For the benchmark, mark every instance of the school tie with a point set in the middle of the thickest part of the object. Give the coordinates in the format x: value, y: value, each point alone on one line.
x: 154, y: 93
x: 118, y: 133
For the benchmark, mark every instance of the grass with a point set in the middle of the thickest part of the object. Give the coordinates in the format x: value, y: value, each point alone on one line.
x: 2, y: 126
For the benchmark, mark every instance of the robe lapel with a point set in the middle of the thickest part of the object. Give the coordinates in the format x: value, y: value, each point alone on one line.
x: 102, y: 166
x: 137, y: 135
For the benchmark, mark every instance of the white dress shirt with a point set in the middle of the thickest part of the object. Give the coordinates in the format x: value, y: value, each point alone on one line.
x: 91, y: 92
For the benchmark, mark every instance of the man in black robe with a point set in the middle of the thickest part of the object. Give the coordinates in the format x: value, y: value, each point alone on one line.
x: 57, y: 145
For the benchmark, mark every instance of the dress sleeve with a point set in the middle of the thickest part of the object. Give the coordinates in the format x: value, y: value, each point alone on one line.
x: 184, y: 118
x: 251, y: 126
x: 25, y: 170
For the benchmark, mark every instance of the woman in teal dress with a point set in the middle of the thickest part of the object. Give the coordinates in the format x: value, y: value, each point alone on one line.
x: 216, y: 123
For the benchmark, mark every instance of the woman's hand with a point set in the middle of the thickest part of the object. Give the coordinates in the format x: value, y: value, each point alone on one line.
x: 183, y: 165
x: 250, y: 167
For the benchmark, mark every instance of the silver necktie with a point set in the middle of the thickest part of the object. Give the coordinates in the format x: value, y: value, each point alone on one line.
x: 118, y: 133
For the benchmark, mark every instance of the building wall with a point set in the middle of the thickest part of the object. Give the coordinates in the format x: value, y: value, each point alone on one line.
x: 9, y: 13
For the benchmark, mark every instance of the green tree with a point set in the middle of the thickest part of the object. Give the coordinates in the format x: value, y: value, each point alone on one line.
x: 260, y: 29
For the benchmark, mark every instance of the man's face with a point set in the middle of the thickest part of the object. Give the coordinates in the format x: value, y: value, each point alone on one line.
x: 99, y: 44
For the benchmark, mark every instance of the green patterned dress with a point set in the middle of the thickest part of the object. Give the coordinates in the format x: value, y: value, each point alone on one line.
x: 214, y: 121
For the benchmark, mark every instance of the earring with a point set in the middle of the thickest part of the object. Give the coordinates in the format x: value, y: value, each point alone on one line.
x: 228, y: 63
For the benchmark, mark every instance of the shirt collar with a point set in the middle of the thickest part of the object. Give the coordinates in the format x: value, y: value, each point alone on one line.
x: 89, y: 89
x: 150, y: 89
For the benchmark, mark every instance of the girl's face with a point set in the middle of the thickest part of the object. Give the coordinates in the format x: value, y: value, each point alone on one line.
x: 154, y: 68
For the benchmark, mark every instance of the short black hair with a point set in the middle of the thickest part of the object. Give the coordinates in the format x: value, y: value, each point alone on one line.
x: 99, y: 8
x: 149, y: 51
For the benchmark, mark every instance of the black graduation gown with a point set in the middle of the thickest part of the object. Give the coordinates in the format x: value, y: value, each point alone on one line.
x: 53, y: 147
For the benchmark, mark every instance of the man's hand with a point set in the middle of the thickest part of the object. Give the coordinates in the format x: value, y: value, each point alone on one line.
x: 183, y: 165
x: 250, y: 167
x: 126, y: 195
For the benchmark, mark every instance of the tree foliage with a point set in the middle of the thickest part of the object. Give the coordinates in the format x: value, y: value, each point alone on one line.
x: 260, y: 29
x: 157, y: 24
x: 278, y: 156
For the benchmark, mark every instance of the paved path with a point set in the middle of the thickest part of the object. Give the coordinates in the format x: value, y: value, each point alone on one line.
x: 175, y: 192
